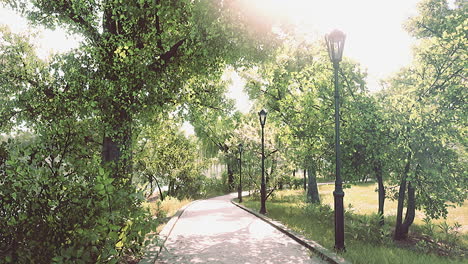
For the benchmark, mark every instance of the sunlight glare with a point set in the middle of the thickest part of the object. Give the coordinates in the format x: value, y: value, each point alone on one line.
x: 375, y: 37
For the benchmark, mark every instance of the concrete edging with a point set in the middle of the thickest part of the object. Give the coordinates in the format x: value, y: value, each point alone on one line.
x: 154, y: 249
x: 313, y: 246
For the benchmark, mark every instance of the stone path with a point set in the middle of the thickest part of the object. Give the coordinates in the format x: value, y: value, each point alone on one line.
x: 216, y: 231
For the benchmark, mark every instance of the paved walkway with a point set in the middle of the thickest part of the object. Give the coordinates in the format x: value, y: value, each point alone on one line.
x: 216, y: 231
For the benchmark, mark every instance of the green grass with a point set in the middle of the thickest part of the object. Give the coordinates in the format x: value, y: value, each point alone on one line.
x: 289, y: 208
x: 363, y: 199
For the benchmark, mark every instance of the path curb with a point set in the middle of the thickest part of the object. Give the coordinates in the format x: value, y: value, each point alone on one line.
x: 154, y: 249
x: 324, y: 253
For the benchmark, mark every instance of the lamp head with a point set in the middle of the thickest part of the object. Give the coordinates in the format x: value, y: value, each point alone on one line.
x: 335, y: 45
x: 262, y: 115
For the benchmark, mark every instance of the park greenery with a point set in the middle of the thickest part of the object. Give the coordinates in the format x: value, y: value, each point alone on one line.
x: 89, y: 135
x: 368, y: 242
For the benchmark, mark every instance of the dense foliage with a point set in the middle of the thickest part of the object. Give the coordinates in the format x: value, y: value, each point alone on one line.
x: 87, y: 135
x: 69, y: 190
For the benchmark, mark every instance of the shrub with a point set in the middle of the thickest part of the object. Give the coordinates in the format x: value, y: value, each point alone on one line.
x: 297, y: 183
x: 213, y: 187
x: 57, y: 208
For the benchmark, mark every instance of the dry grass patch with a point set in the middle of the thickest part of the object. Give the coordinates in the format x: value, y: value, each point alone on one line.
x: 164, y: 210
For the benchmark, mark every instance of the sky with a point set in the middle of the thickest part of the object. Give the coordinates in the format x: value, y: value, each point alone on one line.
x: 47, y: 41
x: 375, y: 36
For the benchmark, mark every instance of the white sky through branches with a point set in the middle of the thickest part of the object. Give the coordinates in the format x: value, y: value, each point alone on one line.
x: 374, y: 28
x: 375, y: 36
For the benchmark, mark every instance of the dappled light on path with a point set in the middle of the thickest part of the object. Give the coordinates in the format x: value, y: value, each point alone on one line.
x: 215, y: 231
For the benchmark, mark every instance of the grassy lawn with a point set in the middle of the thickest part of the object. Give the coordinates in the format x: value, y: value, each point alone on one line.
x: 365, y: 242
x: 363, y: 200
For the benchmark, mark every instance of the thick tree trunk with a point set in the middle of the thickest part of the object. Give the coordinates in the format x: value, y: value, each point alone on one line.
x: 117, y: 139
x: 110, y: 150
x: 401, y: 231
x: 378, y: 174
x: 401, y: 198
x: 312, y: 191
x: 117, y: 142
x: 410, y: 211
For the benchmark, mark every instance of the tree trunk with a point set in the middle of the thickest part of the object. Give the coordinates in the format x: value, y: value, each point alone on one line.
x: 116, y: 152
x: 230, y: 176
x: 400, y: 231
x: 305, y: 180
x: 150, y: 178
x: 170, y: 190
x: 312, y: 191
x: 364, y: 179
x: 161, y: 196
x: 378, y: 174
x: 272, y: 170
x: 410, y: 210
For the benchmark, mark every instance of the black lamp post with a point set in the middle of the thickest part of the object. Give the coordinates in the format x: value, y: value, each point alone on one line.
x: 335, y: 44
x: 239, y: 189
x: 262, y: 114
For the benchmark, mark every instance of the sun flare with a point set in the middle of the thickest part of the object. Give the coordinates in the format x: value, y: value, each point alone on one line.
x: 375, y: 37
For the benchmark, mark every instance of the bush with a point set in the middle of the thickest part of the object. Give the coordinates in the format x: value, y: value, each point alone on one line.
x: 57, y: 208
x: 297, y: 183
x: 323, y: 212
x: 443, y: 238
x: 367, y: 228
x: 213, y: 187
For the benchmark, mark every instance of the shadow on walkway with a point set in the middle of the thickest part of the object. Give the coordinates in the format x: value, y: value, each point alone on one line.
x: 215, y: 231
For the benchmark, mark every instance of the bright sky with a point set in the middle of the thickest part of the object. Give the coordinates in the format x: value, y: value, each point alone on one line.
x: 375, y: 37
x: 47, y: 41
x: 374, y: 28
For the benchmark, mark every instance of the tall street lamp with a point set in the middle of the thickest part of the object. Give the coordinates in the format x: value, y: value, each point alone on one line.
x: 239, y: 189
x: 335, y: 44
x: 262, y: 115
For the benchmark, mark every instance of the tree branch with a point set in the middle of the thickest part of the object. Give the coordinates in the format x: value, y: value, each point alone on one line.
x: 66, y: 10
x: 272, y: 190
x: 157, y: 65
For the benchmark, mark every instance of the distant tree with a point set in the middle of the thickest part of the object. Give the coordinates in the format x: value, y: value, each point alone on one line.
x: 215, y: 127
x: 168, y: 158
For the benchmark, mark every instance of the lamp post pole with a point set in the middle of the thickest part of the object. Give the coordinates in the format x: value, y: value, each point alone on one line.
x: 335, y: 43
x: 262, y: 114
x: 239, y: 189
